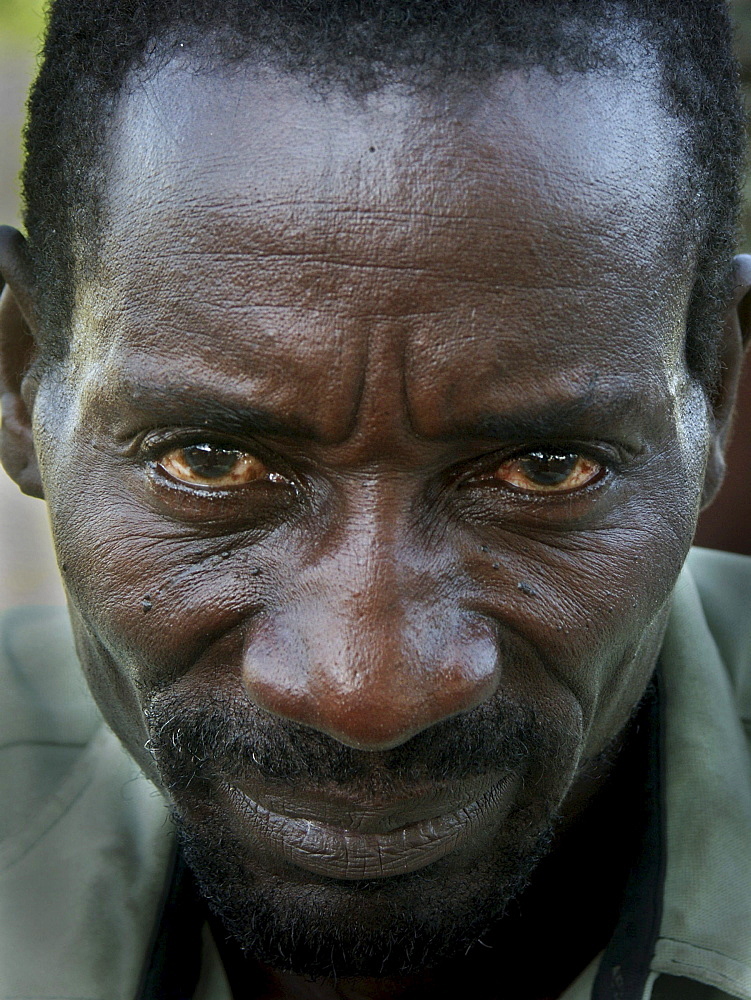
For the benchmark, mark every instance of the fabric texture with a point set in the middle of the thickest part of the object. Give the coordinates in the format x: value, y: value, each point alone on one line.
x: 87, y: 847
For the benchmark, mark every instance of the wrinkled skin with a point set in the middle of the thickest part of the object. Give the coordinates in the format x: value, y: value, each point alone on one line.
x: 378, y: 304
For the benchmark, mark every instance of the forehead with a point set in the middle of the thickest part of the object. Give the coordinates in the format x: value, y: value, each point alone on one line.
x: 525, y: 226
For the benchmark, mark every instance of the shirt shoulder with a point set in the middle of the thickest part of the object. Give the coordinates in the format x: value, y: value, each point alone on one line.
x: 723, y: 581
x: 85, y: 839
x: 47, y: 716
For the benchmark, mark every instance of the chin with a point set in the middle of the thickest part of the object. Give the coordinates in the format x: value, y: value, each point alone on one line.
x: 307, y: 924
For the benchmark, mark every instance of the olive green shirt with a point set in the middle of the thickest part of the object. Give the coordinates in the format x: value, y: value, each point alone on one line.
x: 86, y: 842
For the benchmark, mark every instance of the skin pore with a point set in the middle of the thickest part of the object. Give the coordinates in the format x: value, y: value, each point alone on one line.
x: 371, y: 470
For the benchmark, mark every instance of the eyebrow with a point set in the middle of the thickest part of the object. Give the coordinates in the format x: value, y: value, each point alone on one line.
x: 562, y: 417
x: 559, y: 418
x: 190, y: 404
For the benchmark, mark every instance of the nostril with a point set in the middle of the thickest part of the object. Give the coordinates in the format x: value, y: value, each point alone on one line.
x: 368, y: 690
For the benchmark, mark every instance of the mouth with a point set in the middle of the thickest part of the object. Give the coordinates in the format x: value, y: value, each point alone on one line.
x: 350, y: 842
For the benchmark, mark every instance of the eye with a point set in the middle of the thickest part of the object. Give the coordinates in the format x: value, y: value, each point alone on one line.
x: 211, y: 465
x: 548, y: 471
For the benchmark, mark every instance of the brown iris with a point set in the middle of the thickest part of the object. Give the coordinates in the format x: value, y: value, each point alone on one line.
x: 548, y: 471
x: 210, y: 465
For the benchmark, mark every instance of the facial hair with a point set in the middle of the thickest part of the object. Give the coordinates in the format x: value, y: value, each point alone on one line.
x: 305, y: 923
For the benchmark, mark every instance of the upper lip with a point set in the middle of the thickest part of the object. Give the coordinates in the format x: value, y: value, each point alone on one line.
x: 368, y: 813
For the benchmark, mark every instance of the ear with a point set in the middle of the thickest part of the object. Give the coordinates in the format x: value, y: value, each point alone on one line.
x: 17, y: 350
x: 736, y: 338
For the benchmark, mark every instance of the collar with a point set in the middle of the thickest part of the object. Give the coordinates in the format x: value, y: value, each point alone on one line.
x: 705, y: 929
x: 705, y: 932
x: 625, y: 967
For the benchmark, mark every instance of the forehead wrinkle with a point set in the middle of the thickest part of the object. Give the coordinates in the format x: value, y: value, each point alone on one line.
x: 417, y: 150
x: 312, y: 232
x: 395, y: 239
x: 108, y: 360
x: 334, y: 286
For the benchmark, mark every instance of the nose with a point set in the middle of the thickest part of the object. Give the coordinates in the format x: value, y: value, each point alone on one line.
x: 369, y: 654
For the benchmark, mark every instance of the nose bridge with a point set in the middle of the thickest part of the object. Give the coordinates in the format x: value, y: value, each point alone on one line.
x: 367, y: 553
x: 366, y: 647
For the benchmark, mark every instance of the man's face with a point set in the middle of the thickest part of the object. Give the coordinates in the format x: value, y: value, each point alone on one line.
x: 371, y: 471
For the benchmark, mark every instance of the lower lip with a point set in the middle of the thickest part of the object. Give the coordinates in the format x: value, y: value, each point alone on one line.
x: 335, y: 852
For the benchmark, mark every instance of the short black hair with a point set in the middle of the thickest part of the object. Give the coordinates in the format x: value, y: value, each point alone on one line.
x: 92, y: 45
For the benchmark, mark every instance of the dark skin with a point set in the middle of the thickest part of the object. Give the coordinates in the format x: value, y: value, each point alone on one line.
x: 368, y: 425
x: 571, y: 905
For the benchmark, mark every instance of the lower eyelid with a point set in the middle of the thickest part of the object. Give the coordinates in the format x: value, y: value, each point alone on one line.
x: 596, y: 478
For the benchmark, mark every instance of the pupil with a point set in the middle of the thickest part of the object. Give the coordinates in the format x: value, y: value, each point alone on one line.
x: 210, y: 462
x: 548, y: 468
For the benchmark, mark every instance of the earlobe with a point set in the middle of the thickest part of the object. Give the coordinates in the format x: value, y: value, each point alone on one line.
x: 736, y: 338
x: 17, y: 349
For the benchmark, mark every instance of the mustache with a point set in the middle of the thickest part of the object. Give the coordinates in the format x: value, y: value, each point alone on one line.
x: 229, y: 736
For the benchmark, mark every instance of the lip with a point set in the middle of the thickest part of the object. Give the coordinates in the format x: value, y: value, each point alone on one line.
x: 353, y: 853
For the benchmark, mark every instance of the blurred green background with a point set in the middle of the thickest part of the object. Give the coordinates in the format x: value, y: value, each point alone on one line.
x: 21, y: 24
x: 20, y: 20
x: 29, y: 574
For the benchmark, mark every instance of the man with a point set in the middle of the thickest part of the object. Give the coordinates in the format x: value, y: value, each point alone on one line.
x: 375, y: 361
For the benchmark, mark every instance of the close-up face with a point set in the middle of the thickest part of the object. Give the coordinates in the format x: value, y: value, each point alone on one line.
x: 371, y: 470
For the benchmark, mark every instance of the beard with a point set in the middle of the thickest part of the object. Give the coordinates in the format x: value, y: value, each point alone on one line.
x: 369, y: 929
x: 297, y: 921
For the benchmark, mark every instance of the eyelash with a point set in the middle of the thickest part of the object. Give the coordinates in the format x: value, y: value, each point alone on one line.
x: 156, y: 444
x: 609, y: 459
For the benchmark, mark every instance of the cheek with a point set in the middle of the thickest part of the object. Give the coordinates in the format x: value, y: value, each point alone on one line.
x: 593, y: 601
x: 149, y: 596
x: 156, y: 596
x: 149, y: 608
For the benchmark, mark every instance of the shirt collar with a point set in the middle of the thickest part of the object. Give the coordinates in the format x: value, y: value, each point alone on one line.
x: 705, y: 932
